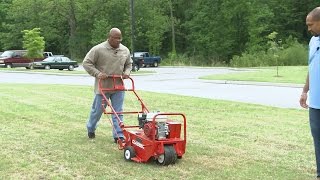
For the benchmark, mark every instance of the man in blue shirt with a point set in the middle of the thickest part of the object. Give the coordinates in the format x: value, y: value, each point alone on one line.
x: 313, y: 82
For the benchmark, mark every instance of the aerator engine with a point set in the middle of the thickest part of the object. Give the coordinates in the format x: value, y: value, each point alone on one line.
x: 159, y: 130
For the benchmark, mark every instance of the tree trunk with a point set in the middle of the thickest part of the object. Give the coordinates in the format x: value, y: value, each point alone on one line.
x: 73, y: 27
x: 172, y: 30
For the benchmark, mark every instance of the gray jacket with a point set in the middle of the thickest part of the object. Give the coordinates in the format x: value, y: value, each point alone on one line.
x: 104, y: 58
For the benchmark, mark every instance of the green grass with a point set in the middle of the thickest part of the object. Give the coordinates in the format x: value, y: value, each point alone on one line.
x: 286, y: 74
x: 43, y: 136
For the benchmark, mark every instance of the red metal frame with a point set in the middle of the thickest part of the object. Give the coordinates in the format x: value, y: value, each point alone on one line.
x: 144, y: 146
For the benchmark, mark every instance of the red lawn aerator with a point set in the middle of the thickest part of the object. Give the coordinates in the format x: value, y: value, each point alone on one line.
x: 157, y: 136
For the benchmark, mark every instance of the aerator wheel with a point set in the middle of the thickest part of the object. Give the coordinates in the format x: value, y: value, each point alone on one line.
x: 174, y: 158
x: 129, y: 153
x: 169, y: 156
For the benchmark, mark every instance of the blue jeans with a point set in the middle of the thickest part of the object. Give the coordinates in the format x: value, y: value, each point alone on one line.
x: 116, y: 99
x: 314, y: 117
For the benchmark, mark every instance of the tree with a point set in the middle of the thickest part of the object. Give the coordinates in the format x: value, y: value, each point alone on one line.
x: 151, y: 24
x: 260, y: 22
x: 274, y: 48
x: 202, y: 32
x: 173, y: 51
x: 4, y: 6
x: 33, y: 42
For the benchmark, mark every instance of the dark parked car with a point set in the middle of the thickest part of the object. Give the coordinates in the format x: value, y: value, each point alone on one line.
x: 56, y: 63
x: 146, y: 59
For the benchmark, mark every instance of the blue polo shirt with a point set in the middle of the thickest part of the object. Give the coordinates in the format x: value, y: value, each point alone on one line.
x: 314, y: 73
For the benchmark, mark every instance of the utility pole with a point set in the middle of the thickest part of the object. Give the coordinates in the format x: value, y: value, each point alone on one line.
x: 132, y: 26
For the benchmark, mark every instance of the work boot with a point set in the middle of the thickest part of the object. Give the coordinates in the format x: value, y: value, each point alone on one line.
x: 116, y: 140
x: 91, y: 135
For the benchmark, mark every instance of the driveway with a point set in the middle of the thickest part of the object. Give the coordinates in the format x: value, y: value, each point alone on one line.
x: 183, y: 81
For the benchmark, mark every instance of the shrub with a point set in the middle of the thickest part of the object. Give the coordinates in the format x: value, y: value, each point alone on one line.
x: 295, y: 54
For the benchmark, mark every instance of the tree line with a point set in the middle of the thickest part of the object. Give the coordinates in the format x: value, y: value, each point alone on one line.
x: 200, y: 32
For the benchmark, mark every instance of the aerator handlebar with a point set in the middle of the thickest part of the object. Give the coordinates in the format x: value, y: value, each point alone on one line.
x: 116, y: 85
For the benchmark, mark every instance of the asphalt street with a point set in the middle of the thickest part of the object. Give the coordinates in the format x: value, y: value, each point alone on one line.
x: 183, y: 81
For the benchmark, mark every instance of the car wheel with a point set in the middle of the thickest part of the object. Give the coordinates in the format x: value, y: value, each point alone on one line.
x: 155, y: 64
x: 135, y: 67
x: 47, y: 67
x: 30, y: 67
x: 8, y: 66
x: 61, y: 69
x: 129, y: 153
x: 71, y: 68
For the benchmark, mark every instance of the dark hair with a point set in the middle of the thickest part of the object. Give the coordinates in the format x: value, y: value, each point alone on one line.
x: 315, y: 14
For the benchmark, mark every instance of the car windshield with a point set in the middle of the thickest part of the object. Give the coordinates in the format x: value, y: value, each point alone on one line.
x: 49, y: 59
x: 65, y: 59
x: 138, y: 54
x: 7, y: 54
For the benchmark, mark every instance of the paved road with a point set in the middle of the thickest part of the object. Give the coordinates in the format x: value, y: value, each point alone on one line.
x: 183, y: 81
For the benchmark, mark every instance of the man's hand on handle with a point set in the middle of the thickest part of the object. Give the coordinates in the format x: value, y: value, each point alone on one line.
x: 102, y: 75
x: 125, y: 76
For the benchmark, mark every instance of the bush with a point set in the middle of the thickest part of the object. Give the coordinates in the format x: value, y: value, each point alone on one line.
x: 295, y: 54
x: 185, y: 60
x: 252, y: 59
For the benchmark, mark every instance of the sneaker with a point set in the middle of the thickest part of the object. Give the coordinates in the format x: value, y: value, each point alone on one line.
x: 116, y: 140
x: 91, y: 135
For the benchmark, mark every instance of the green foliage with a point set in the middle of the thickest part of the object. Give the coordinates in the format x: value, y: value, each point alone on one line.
x: 260, y: 21
x: 292, y: 55
x: 33, y: 42
x: 297, y: 54
x: 150, y: 25
x: 213, y: 31
x: 274, y: 44
x: 99, y: 32
x: 184, y: 60
x: 4, y: 5
x: 251, y: 59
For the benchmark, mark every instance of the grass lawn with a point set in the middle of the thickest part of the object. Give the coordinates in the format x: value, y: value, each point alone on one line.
x: 286, y: 74
x: 43, y: 136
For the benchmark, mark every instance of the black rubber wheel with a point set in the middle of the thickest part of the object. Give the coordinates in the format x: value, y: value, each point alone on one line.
x: 135, y: 67
x: 128, y: 153
x: 47, y: 67
x: 168, y: 157
x: 174, y: 155
x: 71, y: 68
x: 155, y: 64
